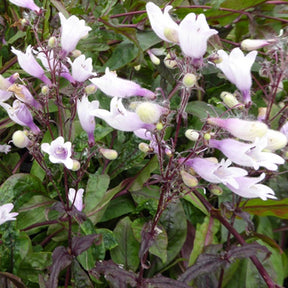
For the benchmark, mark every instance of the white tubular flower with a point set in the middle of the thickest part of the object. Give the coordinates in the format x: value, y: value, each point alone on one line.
x: 87, y: 121
x: 114, y: 86
x: 249, y: 155
x: 236, y: 68
x: 243, y: 129
x: 162, y: 23
x: 76, y: 198
x: 81, y: 68
x: 6, y: 214
x: 275, y: 140
x: 216, y: 172
x: 254, y: 44
x: 72, y: 30
x: 29, y: 64
x: 59, y: 152
x: 248, y: 187
x: 119, y: 118
x: 194, y: 33
x: 26, y: 4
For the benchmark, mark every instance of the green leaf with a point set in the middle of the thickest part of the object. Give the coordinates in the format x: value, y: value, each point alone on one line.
x: 123, y: 54
x: 81, y: 278
x: 126, y: 253
x: 190, y: 197
x: 18, y: 35
x: 277, y: 208
x: 202, y: 110
x: 204, y: 236
x: 159, y: 243
x: 19, y: 188
x: 34, y: 211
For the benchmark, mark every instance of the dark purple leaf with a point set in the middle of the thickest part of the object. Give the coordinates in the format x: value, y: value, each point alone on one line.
x: 14, y: 279
x: 117, y: 276
x: 81, y: 244
x: 164, y: 282
x: 61, y: 259
x: 205, y: 263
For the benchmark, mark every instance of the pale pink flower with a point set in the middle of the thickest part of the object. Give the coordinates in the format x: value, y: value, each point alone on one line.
x: 162, y: 23
x: 248, y: 187
x: 243, y: 129
x: 76, y: 198
x: 5, y: 148
x: 114, y: 86
x: 194, y: 33
x: 248, y: 154
x: 72, y: 30
x: 59, y: 152
x: 120, y: 118
x: 82, y: 68
x: 26, y: 4
x: 6, y: 214
x: 30, y: 65
x: 237, y: 69
x: 87, y: 121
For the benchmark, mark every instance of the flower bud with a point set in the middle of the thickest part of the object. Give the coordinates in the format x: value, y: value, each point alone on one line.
x: 168, y: 152
x: 45, y: 90
x: 254, y: 44
x: 170, y: 63
x: 90, y: 89
x: 171, y: 34
x: 52, y: 42
x: 76, y: 165
x: 189, y: 80
x: 109, y: 154
x: 229, y: 99
x: 275, y: 140
x: 76, y: 53
x: 188, y: 179
x: 215, y: 189
x: 215, y: 58
x: 155, y: 60
x: 261, y: 113
x: 207, y: 136
x: 24, y: 22
x: 192, y: 135
x: 159, y: 126
x: 144, y: 147
x: 137, y: 67
x: 148, y: 112
x: 20, y: 139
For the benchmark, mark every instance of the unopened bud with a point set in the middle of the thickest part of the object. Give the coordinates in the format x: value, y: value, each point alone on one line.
x: 24, y: 22
x: 45, y: 90
x: 20, y: 139
x: 148, y: 112
x: 275, y: 140
x: 76, y: 165
x: 168, y: 152
x: 90, y: 89
x: 76, y: 53
x: 262, y: 113
x: 229, y: 99
x: 192, y: 135
x: 137, y: 67
x: 159, y: 126
x: 155, y: 60
x: 170, y: 63
x: 144, y: 147
x: 52, y: 42
x: 171, y: 34
x: 188, y: 179
x: 109, y: 154
x: 254, y: 44
x: 215, y: 189
x: 215, y: 58
x: 207, y: 136
x: 189, y: 80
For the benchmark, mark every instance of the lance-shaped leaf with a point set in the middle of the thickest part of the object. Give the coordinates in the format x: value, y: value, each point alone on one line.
x: 117, y: 276
x: 61, y: 259
x: 164, y: 282
x: 81, y: 244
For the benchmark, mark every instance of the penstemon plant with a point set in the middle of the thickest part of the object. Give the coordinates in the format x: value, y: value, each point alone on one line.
x: 143, y: 145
